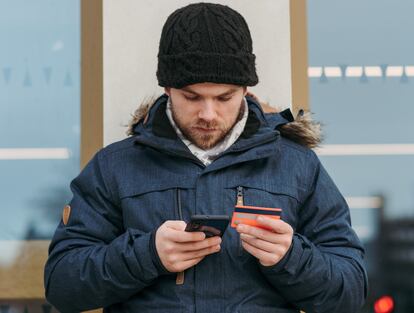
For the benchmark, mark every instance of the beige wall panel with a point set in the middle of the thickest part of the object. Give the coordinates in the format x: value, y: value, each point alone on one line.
x: 131, y: 34
x: 21, y: 269
x: 91, y: 79
x: 299, y: 55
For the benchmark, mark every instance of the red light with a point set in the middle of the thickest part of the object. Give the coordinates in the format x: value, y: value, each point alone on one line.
x: 385, y: 304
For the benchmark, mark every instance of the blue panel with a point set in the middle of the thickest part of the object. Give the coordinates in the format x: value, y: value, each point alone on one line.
x: 368, y: 32
x: 365, y: 109
x: 39, y: 108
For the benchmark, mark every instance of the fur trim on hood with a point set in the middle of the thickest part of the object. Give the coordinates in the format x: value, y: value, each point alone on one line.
x: 303, y: 130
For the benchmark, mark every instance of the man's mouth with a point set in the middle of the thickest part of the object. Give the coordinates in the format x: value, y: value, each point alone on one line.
x: 204, y: 129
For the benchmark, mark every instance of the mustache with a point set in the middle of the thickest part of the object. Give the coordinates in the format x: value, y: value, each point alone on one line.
x: 206, y: 125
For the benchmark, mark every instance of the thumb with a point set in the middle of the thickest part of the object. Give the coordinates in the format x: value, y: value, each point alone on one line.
x: 276, y: 225
x: 177, y: 225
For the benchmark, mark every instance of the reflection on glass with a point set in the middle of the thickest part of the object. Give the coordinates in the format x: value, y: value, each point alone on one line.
x: 39, y: 138
x: 361, y: 79
x: 39, y: 114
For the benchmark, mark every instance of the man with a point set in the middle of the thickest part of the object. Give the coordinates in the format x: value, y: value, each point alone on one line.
x: 203, y: 147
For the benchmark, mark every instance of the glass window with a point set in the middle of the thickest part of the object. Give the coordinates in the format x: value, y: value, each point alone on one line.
x: 39, y: 123
x: 361, y: 87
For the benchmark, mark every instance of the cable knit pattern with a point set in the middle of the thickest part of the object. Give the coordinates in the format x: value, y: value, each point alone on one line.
x: 206, y: 42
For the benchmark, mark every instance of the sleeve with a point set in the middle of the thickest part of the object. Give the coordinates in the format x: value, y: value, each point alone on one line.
x: 93, y: 261
x: 323, y: 270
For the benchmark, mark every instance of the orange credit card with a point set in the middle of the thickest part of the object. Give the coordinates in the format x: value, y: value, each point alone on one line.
x: 245, y: 214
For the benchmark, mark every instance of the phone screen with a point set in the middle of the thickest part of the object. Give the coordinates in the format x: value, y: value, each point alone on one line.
x: 211, y: 225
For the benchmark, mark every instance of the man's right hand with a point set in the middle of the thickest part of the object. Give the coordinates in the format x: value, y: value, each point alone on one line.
x: 179, y: 250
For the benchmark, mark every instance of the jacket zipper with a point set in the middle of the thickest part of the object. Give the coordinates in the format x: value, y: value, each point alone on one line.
x: 180, y: 276
x: 240, y: 201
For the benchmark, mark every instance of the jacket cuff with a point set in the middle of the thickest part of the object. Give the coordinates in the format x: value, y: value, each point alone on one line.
x: 155, y: 257
x: 290, y: 261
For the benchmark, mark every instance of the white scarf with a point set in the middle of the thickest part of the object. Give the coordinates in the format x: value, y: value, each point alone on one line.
x: 208, y: 156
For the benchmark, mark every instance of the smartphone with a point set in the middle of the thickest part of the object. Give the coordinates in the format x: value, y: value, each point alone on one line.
x: 211, y: 225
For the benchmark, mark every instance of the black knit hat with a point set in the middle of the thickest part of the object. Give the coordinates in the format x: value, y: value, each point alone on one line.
x: 206, y: 42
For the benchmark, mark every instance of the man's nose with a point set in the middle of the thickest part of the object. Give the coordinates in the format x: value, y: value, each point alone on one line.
x: 207, y: 111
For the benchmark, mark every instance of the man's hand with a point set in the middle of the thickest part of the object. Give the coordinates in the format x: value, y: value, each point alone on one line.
x: 269, y: 246
x: 179, y: 250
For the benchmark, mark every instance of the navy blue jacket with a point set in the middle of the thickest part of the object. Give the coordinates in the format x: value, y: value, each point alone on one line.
x: 105, y: 256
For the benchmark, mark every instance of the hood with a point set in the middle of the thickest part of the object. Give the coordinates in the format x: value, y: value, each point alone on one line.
x: 302, y: 129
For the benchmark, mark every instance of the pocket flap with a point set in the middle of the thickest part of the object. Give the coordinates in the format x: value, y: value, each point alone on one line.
x: 151, y: 184
x: 287, y: 190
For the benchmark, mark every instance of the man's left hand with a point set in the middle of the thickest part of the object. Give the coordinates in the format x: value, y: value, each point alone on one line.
x: 268, y: 246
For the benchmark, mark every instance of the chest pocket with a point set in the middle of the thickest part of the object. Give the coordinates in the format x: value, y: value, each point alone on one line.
x: 283, y: 197
x: 147, y: 206
x: 255, y: 194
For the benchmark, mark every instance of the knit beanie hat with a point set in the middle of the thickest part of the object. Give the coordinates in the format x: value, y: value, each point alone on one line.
x: 206, y: 42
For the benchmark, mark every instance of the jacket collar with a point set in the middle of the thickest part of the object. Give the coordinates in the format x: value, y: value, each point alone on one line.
x: 161, y: 126
x: 158, y: 133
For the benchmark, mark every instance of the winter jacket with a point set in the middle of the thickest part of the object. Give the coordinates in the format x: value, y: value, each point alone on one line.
x: 105, y: 255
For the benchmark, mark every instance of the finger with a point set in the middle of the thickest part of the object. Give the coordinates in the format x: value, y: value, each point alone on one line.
x: 264, y: 257
x: 200, y: 253
x: 185, y: 236
x: 277, y: 226
x: 259, y: 243
x: 177, y: 225
x: 260, y: 233
x: 198, y: 245
x: 211, y: 229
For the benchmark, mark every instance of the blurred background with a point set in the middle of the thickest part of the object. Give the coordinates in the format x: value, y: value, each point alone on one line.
x: 39, y: 139
x: 360, y: 75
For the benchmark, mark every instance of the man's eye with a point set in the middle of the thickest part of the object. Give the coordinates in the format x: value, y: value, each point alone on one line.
x: 224, y: 99
x: 191, y: 98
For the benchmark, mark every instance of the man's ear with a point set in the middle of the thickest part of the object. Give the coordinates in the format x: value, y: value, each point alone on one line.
x: 244, y: 91
x: 167, y: 90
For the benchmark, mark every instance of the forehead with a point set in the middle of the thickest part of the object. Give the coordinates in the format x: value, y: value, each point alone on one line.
x: 211, y: 89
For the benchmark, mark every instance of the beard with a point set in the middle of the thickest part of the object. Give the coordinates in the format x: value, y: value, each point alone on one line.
x: 209, y: 139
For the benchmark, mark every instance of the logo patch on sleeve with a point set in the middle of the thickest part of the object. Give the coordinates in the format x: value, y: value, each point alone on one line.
x: 66, y: 214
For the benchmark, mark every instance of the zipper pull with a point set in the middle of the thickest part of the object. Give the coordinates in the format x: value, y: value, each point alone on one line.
x: 240, y: 200
x: 180, y: 278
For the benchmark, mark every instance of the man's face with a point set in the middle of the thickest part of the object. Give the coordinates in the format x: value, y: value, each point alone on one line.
x: 206, y: 112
